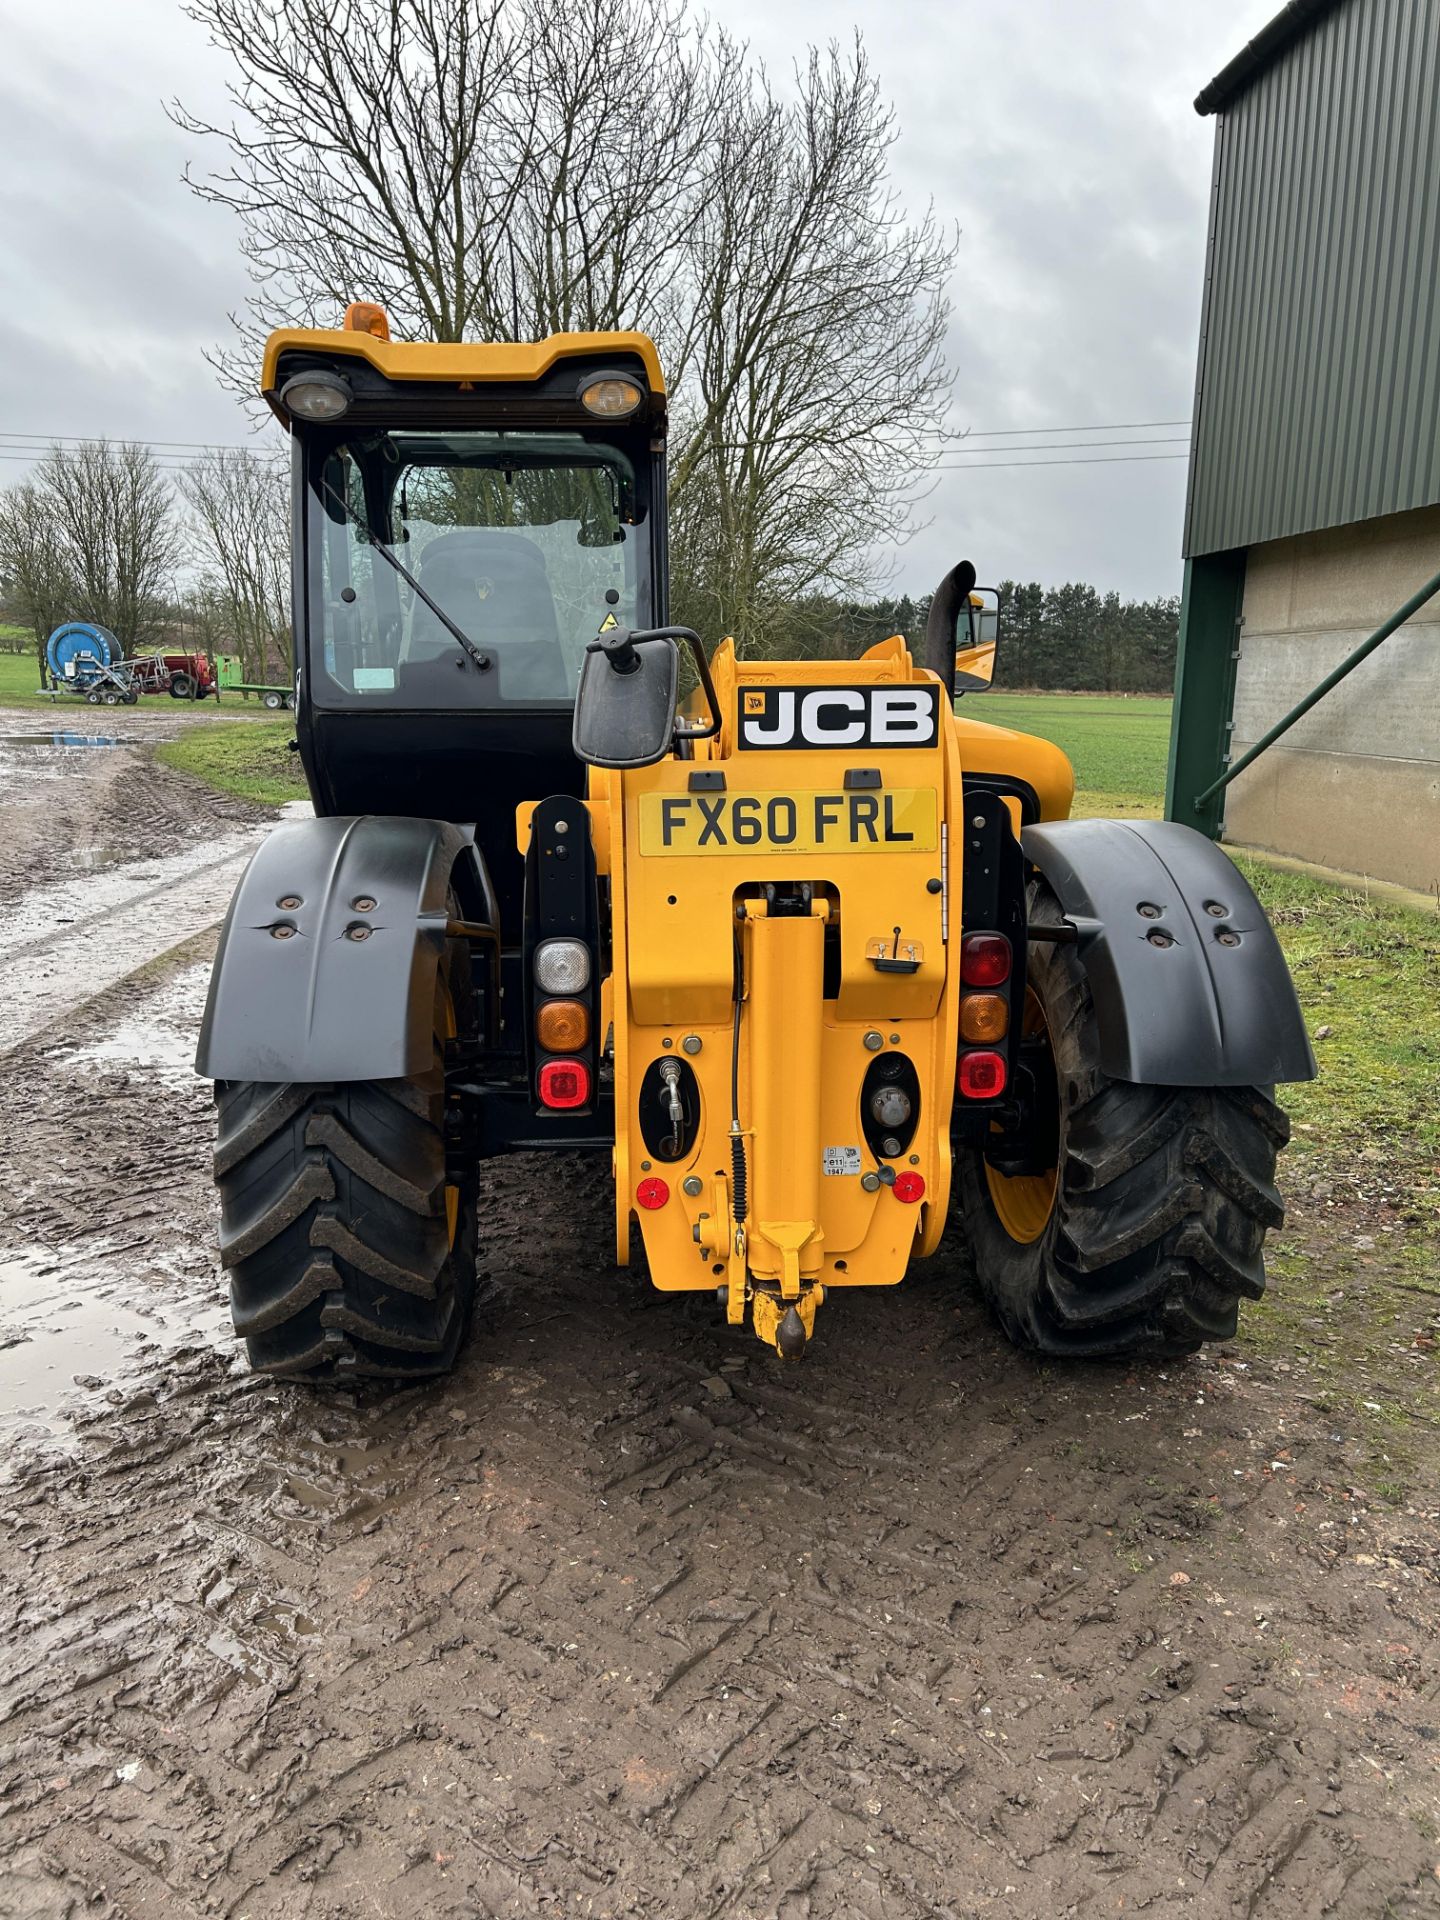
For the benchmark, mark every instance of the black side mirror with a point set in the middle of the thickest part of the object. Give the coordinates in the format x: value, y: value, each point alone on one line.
x: 625, y: 708
x: 976, y: 641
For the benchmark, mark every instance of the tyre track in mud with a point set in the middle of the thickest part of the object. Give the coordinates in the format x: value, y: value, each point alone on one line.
x: 107, y: 862
x: 625, y: 1620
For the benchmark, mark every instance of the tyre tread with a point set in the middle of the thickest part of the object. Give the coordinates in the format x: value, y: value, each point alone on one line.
x: 1164, y: 1200
x: 333, y: 1227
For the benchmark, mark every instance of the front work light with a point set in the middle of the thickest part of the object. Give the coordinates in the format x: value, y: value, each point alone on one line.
x: 562, y: 966
x: 316, y: 396
x: 611, y: 396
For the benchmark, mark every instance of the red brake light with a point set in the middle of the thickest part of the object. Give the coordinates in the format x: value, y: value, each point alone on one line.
x: 981, y: 1075
x: 651, y: 1193
x: 564, y: 1083
x: 909, y: 1187
x: 984, y: 959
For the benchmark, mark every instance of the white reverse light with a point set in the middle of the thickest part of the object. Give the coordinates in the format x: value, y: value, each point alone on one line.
x: 562, y: 966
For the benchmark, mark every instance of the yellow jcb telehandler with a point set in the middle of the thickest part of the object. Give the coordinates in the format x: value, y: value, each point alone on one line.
x: 824, y: 964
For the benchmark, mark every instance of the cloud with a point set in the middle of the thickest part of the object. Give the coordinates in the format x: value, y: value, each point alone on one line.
x: 1059, y: 136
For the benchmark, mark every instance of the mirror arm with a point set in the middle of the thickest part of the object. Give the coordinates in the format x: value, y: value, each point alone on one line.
x: 618, y: 647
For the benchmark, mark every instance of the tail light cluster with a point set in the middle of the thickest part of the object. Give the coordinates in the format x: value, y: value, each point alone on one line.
x: 986, y: 966
x: 562, y: 1003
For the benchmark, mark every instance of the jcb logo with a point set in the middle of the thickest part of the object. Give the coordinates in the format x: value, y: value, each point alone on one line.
x: 840, y: 716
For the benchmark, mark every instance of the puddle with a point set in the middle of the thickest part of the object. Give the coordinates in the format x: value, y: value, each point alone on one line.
x: 95, y: 859
x: 107, y: 882
x: 64, y: 1314
x: 62, y: 737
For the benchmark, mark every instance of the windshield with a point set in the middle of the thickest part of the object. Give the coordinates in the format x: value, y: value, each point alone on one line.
x: 527, y: 544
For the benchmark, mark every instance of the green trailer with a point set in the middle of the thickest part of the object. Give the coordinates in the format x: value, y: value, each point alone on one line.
x: 232, y: 680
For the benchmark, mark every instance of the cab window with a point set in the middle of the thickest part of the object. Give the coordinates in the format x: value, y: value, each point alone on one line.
x: 527, y: 545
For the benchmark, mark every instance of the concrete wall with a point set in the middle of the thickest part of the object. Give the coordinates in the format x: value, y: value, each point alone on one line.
x: 1356, y: 783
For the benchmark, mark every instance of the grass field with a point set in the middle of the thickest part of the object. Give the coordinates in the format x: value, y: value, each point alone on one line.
x: 1117, y: 745
x: 254, y: 761
x: 19, y: 678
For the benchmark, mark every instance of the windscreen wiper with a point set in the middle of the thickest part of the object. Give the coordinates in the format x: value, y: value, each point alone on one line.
x: 481, y: 660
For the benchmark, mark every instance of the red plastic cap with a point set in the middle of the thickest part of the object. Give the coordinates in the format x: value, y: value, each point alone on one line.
x: 651, y: 1193
x: 564, y: 1083
x: 984, y: 959
x: 909, y: 1187
x: 981, y: 1075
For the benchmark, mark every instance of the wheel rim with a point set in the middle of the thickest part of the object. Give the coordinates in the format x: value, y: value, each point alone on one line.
x: 1024, y: 1202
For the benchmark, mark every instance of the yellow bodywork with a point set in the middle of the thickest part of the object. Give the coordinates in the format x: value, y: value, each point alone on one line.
x: 885, y: 867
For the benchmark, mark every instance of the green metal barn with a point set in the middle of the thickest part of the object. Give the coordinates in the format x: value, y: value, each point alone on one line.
x: 1313, y: 510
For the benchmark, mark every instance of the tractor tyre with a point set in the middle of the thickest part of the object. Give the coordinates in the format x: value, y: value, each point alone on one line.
x: 1136, y: 1225
x: 181, y: 686
x: 348, y: 1219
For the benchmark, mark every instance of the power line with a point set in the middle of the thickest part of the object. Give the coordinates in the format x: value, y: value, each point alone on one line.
x: 1107, y: 460
x: 120, y: 439
x: 161, y: 466
x: 941, y: 466
x: 1068, y: 446
x: 958, y: 437
x: 1012, y: 433
x: 180, y: 456
x: 27, y: 448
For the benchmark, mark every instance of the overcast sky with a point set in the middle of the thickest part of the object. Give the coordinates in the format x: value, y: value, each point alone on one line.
x: 1058, y: 133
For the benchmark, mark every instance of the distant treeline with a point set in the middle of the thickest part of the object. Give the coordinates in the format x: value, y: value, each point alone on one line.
x: 1075, y: 636
x: 1072, y: 636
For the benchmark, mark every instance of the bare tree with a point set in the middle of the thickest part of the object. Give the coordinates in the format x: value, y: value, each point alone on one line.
x: 611, y: 166
x: 32, y: 562
x: 239, y: 505
x: 510, y: 168
x: 92, y: 535
x: 817, y: 353
x: 353, y: 155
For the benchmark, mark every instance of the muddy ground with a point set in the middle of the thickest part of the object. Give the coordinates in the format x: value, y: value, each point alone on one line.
x: 624, y: 1620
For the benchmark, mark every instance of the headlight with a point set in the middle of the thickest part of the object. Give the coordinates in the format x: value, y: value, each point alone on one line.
x: 611, y: 396
x: 562, y: 966
x: 316, y: 396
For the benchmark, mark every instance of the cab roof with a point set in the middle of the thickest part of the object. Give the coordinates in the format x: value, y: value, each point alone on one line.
x: 512, y: 362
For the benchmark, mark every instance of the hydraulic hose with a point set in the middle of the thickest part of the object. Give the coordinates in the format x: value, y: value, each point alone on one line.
x: 739, y: 1173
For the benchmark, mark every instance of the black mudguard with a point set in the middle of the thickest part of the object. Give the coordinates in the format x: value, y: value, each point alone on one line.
x: 315, y: 1003
x: 1190, y: 986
